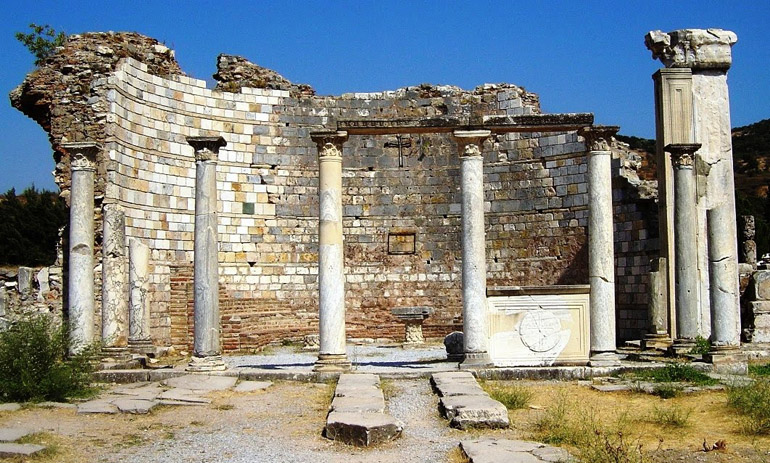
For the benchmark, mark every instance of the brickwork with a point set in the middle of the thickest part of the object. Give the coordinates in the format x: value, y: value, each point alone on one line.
x: 267, y: 183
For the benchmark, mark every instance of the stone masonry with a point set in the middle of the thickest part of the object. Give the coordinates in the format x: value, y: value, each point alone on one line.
x: 401, y: 198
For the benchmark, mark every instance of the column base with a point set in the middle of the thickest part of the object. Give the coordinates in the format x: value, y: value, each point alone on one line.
x: 474, y: 360
x: 728, y: 360
x: 118, y: 354
x: 681, y: 347
x: 332, y: 363
x: 210, y: 363
x: 604, y: 359
x: 141, y: 346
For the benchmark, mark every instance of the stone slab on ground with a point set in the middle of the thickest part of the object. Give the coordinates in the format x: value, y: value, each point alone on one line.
x: 9, y: 450
x: 9, y: 407
x: 56, y: 405
x: 357, y: 412
x: 611, y: 387
x: 146, y: 391
x: 183, y: 395
x: 362, y: 429
x: 251, y: 386
x: 13, y: 434
x: 465, y: 404
x: 97, y: 406
x: 135, y: 406
x: 202, y: 382
x: 490, y: 450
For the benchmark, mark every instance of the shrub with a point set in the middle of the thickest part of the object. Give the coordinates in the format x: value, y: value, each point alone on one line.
x: 674, y: 373
x: 753, y: 402
x: 671, y: 416
x: 34, y: 366
x: 512, y: 396
x: 702, y: 346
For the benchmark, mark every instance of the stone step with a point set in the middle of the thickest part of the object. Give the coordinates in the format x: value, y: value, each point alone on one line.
x: 490, y: 450
x: 357, y: 413
x: 465, y: 404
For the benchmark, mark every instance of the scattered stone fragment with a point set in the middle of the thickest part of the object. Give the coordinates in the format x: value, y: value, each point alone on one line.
x: 9, y: 450
x: 9, y: 407
x: 135, y: 406
x: 512, y: 451
x: 251, y: 386
x: 13, y: 434
x: 202, y: 382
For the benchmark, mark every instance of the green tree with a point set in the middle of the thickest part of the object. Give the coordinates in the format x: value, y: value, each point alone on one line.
x: 41, y: 41
x: 29, y: 227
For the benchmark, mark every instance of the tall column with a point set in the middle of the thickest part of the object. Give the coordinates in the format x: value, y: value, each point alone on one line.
x: 139, y: 338
x: 81, y: 244
x: 685, y: 246
x: 114, y: 281
x: 331, y: 274
x: 601, y: 253
x: 475, y: 313
x: 708, y: 55
x: 206, y: 334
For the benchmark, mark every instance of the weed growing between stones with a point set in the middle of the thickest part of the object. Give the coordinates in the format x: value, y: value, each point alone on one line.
x: 759, y: 369
x: 702, y: 346
x: 512, y: 396
x: 671, y: 416
x: 753, y: 402
x: 667, y: 391
x: 673, y: 373
x: 34, y: 364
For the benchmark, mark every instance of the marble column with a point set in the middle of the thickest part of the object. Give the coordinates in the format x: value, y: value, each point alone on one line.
x: 601, y: 253
x: 80, y: 288
x: 114, y: 281
x: 331, y: 272
x: 139, y: 338
x: 657, y: 336
x: 206, y: 334
x: 474, y: 264
x: 707, y: 54
x: 685, y: 246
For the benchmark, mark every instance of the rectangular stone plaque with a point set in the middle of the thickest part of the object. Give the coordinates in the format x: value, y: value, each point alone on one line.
x: 534, y: 328
x: 401, y: 243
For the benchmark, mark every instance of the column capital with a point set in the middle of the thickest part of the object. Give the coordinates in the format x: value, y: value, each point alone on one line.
x: 329, y: 143
x: 692, y: 48
x: 470, y: 142
x: 598, y: 137
x: 682, y: 154
x: 82, y: 154
x: 206, y: 148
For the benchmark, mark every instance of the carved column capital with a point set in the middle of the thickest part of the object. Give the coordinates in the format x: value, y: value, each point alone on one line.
x: 82, y: 154
x: 470, y: 142
x: 329, y: 143
x: 598, y: 137
x: 692, y: 48
x: 683, y: 154
x: 206, y: 148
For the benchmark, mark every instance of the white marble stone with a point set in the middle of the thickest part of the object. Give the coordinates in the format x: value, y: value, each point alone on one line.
x: 114, y: 278
x: 139, y: 284
x: 81, y: 245
x: 725, y: 293
x: 693, y: 48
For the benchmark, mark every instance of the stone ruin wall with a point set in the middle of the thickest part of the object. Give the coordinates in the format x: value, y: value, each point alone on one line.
x: 141, y: 107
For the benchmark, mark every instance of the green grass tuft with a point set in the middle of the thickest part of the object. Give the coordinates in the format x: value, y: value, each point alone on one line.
x: 512, y: 396
x: 753, y: 402
x: 673, y: 373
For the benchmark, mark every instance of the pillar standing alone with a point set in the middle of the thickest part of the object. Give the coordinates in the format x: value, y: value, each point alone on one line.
x: 139, y: 338
x: 114, y: 281
x: 81, y: 244
x: 474, y: 265
x: 332, y: 355
x: 601, y: 253
x: 207, y: 351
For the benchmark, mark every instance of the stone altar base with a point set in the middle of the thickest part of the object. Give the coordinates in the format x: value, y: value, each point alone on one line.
x: 656, y: 341
x: 728, y: 361
x: 331, y: 363
x: 211, y: 363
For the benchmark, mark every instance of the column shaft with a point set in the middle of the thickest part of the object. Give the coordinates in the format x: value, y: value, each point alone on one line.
x: 114, y: 279
x: 331, y: 274
x: 725, y: 310
x: 139, y: 283
x: 81, y: 245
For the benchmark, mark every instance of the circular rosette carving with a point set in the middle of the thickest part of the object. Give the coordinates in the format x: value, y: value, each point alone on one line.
x: 540, y: 330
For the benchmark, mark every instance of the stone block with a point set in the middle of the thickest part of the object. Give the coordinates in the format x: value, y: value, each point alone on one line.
x: 362, y: 429
x: 202, y: 382
x: 761, y: 285
x: 135, y: 406
x: 472, y: 411
x: 9, y: 450
x: 13, y: 434
x: 357, y: 404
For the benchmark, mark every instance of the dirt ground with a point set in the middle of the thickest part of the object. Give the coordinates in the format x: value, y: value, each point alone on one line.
x: 289, y: 416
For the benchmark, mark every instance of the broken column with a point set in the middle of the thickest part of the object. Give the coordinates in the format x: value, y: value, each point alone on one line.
x: 81, y: 244
x: 474, y: 265
x: 685, y: 246
x: 206, y: 334
x: 706, y: 55
x: 601, y: 254
x: 332, y: 355
x: 139, y: 338
x: 114, y: 281
x: 657, y: 334
x: 749, y: 246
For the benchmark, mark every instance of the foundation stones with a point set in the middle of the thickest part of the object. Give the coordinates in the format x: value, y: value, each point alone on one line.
x: 465, y: 404
x: 357, y: 413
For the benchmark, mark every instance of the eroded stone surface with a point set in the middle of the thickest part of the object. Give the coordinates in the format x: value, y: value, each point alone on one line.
x: 202, y: 382
x: 135, y: 406
x: 511, y: 451
x: 13, y: 434
x: 465, y: 404
x: 9, y: 450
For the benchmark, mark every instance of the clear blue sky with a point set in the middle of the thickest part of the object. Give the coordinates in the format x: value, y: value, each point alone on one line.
x: 578, y: 55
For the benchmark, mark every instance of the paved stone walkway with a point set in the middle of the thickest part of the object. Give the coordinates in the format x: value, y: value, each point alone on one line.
x: 465, y: 404
x: 10, y: 448
x: 512, y: 451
